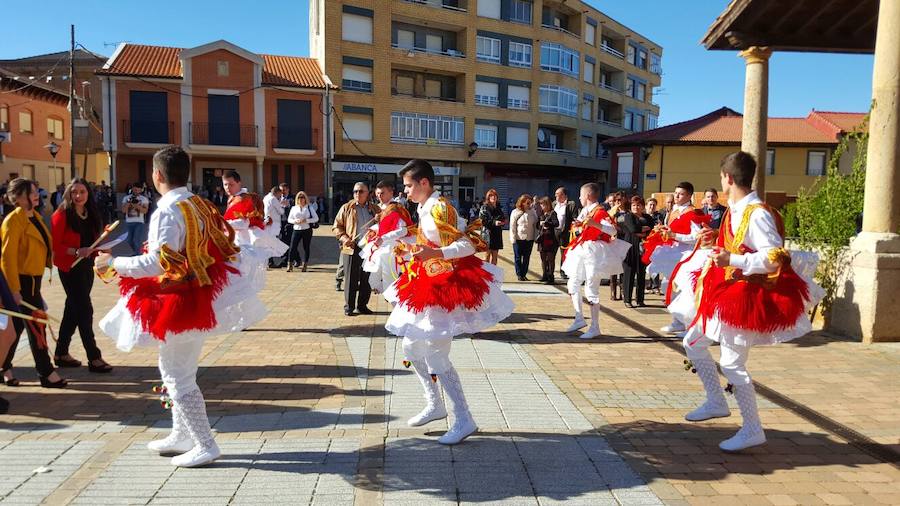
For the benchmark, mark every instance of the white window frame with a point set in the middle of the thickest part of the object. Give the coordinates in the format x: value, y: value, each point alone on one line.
x: 516, y: 147
x: 486, y: 136
x: 809, y: 158
x: 652, y: 121
x: 525, y: 50
x: 559, y: 100
x: 351, y: 34
x: 637, y: 122
x: 641, y: 61
x: 628, y: 120
x: 416, y: 128
x: 516, y: 5
x: 490, y: 44
x: 29, y: 122
x: 559, y: 58
x: 55, y: 128
x: 631, y: 54
x: 521, y: 104
x: 355, y: 78
x: 485, y: 98
x: 590, y: 34
x: 622, y: 182
x: 655, y: 64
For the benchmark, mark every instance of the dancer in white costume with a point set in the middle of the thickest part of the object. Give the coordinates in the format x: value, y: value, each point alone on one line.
x: 593, y: 253
x: 749, y: 295
x: 378, y: 245
x: 185, y: 287
x: 256, y: 239
x: 444, y: 291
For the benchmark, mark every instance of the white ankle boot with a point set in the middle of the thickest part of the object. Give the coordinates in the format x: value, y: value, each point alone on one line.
x: 579, y: 322
x: 434, y: 407
x: 193, y: 412
x: 675, y: 327
x: 178, y: 441
x: 594, y: 330
x: 715, y: 406
x: 463, y: 425
x: 751, y: 432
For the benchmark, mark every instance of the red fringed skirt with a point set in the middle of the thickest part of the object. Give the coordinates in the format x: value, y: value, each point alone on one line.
x: 465, y: 286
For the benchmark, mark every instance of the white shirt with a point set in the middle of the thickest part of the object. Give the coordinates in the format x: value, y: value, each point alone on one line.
x: 560, y: 208
x: 605, y: 225
x: 133, y: 216
x: 762, y: 236
x: 306, y: 212
x: 462, y: 247
x: 167, y: 227
x: 273, y: 210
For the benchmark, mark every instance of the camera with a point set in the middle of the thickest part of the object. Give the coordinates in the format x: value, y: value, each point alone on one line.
x: 133, y: 199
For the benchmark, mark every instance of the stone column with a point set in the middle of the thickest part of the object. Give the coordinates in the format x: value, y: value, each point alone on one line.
x: 756, y: 111
x: 869, y: 306
x: 260, y: 186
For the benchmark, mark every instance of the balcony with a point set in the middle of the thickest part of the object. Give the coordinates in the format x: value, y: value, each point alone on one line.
x: 607, y: 86
x: 455, y: 53
x: 397, y: 93
x: 360, y: 86
x: 615, y: 124
x: 223, y: 134
x: 611, y: 50
x: 553, y: 149
x: 148, y: 132
x: 441, y: 4
x: 520, y: 104
x: 488, y: 100
x: 294, y: 138
x: 560, y: 29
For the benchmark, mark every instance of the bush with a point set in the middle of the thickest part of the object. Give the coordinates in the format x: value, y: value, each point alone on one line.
x: 789, y: 216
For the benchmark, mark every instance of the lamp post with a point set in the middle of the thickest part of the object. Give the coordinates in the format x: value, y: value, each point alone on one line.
x: 473, y: 147
x: 53, y: 148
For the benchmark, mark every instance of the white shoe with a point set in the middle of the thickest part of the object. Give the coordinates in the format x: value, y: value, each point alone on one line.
x: 578, y: 324
x: 198, y: 456
x: 429, y: 414
x: 458, y: 432
x: 591, y: 333
x: 745, y: 438
x: 673, y: 328
x: 174, y: 443
x: 707, y: 411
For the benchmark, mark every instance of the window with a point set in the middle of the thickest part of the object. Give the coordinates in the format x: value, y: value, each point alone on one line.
x: 356, y: 78
x: 655, y: 64
x: 588, y: 72
x: 405, y: 85
x: 815, y: 163
x: 585, y: 145
x: 518, y: 97
x: 652, y: 121
x: 294, y: 124
x: 356, y: 28
x: 55, y: 128
x: 635, y: 89
x: 637, y: 123
x: 149, y: 117
x: 519, y: 54
x: 487, y: 49
x: 426, y: 128
x: 520, y: 11
x: 628, y: 124
x: 358, y: 127
x: 770, y: 162
x: 27, y: 172
x: 486, y: 136
x: 4, y: 118
x: 487, y: 93
x: 590, y: 34
x: 625, y: 169
x: 641, y: 59
x: 587, y: 108
x: 559, y: 58
x: 516, y: 139
x: 25, y: 122
x: 489, y: 8
x: 222, y: 68
x: 558, y: 99
x: 434, y: 43
x: 433, y: 88
x: 406, y: 39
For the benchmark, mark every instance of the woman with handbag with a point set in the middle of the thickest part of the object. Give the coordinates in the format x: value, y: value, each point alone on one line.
x: 304, y: 219
x: 492, y: 221
x: 548, y: 241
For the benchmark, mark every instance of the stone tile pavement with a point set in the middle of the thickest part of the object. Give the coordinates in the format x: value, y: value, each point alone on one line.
x: 310, y: 408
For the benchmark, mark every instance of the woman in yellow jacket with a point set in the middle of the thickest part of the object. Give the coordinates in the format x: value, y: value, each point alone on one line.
x: 25, y: 251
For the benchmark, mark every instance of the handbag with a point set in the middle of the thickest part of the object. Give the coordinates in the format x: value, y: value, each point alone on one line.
x: 312, y: 225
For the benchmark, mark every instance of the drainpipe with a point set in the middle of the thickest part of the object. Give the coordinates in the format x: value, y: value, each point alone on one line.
x: 329, y: 111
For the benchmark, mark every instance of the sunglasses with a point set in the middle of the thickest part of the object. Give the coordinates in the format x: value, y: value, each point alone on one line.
x: 359, y: 191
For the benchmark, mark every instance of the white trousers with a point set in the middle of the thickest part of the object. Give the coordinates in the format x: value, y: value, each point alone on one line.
x: 434, y: 353
x: 591, y: 285
x: 733, y: 357
x: 178, y: 363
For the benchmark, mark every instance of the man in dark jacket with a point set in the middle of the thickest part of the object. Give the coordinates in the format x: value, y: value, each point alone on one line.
x: 566, y: 212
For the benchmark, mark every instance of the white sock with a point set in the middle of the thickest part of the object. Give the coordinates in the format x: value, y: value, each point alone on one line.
x: 576, y: 303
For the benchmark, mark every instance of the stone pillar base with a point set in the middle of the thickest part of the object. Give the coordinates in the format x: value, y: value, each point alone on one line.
x: 868, y: 305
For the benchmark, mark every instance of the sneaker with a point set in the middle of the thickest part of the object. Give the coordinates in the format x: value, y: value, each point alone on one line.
x: 578, y: 324
x: 707, y: 412
x: 171, y: 444
x: 591, y: 333
x: 459, y: 432
x: 745, y: 438
x: 197, y: 457
x: 673, y: 328
x: 429, y: 414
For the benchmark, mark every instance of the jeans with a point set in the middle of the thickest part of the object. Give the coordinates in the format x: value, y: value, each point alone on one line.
x: 78, y: 312
x: 135, y: 236
x: 522, y: 253
x: 296, y: 237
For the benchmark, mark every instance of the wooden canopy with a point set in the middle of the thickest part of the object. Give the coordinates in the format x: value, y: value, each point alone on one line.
x: 826, y: 26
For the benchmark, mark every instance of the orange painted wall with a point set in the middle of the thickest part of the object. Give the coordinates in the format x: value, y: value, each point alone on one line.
x: 123, y: 107
x: 205, y: 75
x: 30, y: 146
x: 316, y: 118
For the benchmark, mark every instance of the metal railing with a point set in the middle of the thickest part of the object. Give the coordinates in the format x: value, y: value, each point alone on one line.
x: 517, y: 103
x: 610, y: 87
x: 617, y: 124
x: 560, y: 29
x: 487, y: 100
x: 455, y: 53
x: 148, y: 132
x: 223, y: 134
x: 556, y: 150
x: 295, y: 138
x: 437, y: 3
x: 613, y: 51
x: 396, y: 93
x: 351, y: 85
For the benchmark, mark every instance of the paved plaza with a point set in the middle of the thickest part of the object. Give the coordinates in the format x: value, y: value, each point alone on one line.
x: 310, y: 407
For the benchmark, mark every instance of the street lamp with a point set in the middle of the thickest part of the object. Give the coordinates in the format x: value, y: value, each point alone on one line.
x: 473, y: 147
x: 53, y: 148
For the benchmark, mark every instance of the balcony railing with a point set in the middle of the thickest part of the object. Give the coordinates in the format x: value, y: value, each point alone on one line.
x: 436, y: 3
x: 223, y: 134
x: 610, y: 87
x: 517, y: 103
x: 560, y: 29
x: 617, y: 124
x: 148, y: 132
x: 396, y: 93
x: 449, y: 52
x: 552, y: 149
x: 611, y: 50
x: 351, y: 85
x: 487, y: 100
x: 295, y: 138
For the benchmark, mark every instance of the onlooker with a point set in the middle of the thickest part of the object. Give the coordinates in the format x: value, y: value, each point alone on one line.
x: 712, y: 207
x: 522, y: 230
x: 657, y: 217
x: 350, y: 223
x: 220, y: 199
x: 548, y: 239
x: 492, y: 221
x: 57, y: 197
x: 76, y: 225
x: 273, y: 212
x: 670, y: 204
x: 134, y: 207
x: 301, y: 217
x: 636, y: 225
x: 616, y: 211
x: 24, y: 254
x: 566, y: 212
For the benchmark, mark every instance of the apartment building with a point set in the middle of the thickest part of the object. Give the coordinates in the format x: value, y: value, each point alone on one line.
x: 33, y: 116
x: 230, y: 108
x: 516, y: 95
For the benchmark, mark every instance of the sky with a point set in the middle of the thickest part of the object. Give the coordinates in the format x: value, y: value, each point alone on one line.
x: 694, y: 82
